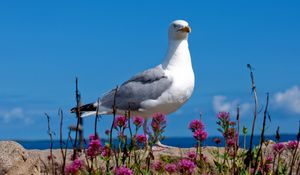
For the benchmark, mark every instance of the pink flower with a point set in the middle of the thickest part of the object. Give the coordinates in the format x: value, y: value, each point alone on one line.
x: 160, y: 118
x: 267, y: 167
x: 141, y: 139
x: 120, y: 121
x: 138, y: 121
x: 232, y: 123
x: 170, y: 168
x: 197, y: 128
x: 50, y: 157
x: 269, y: 159
x: 223, y: 116
x: 122, y: 170
x: 230, y: 133
x: 94, y: 147
x: 74, y: 167
x: 278, y: 147
x: 158, y: 122
x: 106, y: 151
x: 107, y: 132
x: 186, y: 166
x: 200, y: 135
x: 292, y: 144
x: 192, y: 154
x: 157, y: 166
x: 231, y: 152
x: 195, y: 125
x: 93, y: 137
x: 252, y: 170
x: 217, y: 140
x: 230, y: 142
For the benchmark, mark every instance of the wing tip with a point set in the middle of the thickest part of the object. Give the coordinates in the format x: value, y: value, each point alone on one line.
x: 85, y: 108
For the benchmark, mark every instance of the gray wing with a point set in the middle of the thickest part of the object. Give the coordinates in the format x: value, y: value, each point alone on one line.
x: 149, y: 84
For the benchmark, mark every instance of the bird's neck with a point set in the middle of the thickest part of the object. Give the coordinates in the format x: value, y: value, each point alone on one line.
x: 178, y: 55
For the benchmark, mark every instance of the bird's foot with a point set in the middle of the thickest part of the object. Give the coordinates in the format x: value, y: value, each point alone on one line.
x: 159, y: 146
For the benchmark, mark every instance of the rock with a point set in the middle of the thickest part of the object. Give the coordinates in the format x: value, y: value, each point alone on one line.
x: 15, y: 160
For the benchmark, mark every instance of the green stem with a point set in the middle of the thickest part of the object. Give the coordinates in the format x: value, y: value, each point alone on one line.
x: 245, y: 141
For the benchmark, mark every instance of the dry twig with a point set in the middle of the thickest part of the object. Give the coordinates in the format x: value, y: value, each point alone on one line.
x: 249, y: 157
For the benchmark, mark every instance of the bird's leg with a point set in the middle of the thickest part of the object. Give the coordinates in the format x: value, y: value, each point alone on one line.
x: 159, y: 144
x: 145, y: 127
x: 146, y: 132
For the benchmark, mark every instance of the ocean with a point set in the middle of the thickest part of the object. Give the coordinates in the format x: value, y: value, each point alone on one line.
x: 182, y: 142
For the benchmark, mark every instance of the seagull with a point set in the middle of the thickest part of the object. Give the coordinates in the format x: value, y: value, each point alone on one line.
x: 162, y: 89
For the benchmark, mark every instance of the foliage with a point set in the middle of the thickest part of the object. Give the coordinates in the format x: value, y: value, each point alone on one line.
x: 133, y: 153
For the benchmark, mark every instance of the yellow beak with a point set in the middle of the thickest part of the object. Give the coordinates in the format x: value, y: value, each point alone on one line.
x: 187, y: 29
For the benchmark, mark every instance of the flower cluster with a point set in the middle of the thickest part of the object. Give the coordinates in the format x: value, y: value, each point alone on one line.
x: 74, y: 167
x: 107, y: 132
x: 231, y: 138
x: 227, y: 129
x: 94, y: 147
x: 278, y: 148
x: 223, y: 120
x: 50, y: 157
x: 122, y: 170
x: 230, y: 133
x: 186, y: 166
x: 292, y: 145
x: 158, y: 123
x: 134, y: 153
x: 138, y: 121
x: 141, y: 139
x: 267, y: 166
x: 170, y: 168
x: 106, y: 152
x: 217, y: 140
x: 196, y: 125
x: 120, y: 122
x: 197, y: 128
x: 200, y: 135
x: 223, y: 116
x: 192, y: 155
x: 157, y: 166
x: 230, y: 142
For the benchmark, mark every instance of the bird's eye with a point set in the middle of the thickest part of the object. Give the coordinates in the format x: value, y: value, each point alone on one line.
x: 175, y: 25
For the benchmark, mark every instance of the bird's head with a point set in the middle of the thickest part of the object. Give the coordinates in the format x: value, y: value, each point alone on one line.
x: 179, y: 30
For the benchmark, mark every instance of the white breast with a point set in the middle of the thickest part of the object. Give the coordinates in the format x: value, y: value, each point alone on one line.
x: 183, y: 84
x: 179, y: 69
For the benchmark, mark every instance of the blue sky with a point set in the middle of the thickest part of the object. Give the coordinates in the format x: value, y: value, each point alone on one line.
x: 44, y: 45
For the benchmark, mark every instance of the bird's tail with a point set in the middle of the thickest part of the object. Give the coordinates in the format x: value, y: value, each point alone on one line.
x: 86, y: 110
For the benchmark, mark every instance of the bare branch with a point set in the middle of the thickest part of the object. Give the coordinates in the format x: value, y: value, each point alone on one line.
x: 249, y: 157
x: 114, y: 116
x: 50, y: 133
x: 262, y: 139
x: 78, y: 115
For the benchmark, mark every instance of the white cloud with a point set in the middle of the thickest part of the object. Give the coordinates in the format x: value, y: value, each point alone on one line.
x: 288, y: 100
x: 16, y: 113
x: 220, y: 103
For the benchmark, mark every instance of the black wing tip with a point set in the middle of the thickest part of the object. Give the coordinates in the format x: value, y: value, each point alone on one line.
x: 73, y: 110
x: 85, y: 108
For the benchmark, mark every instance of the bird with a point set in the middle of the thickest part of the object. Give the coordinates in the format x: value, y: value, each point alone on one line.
x: 161, y: 89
